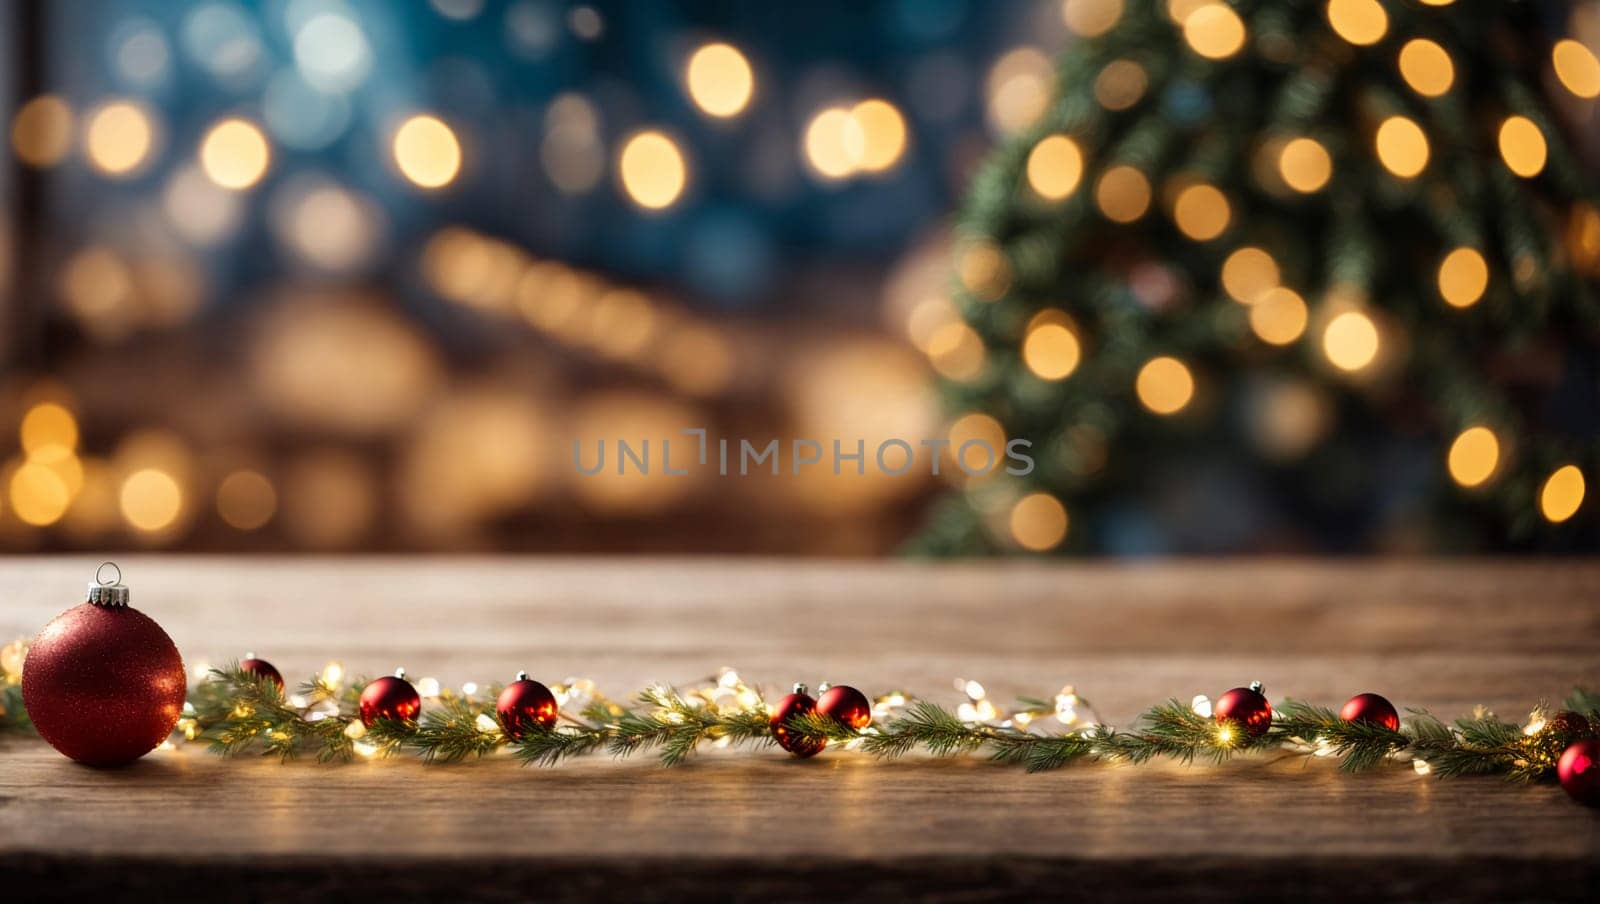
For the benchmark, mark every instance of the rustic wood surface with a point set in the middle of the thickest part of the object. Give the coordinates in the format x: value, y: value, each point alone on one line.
x: 1442, y: 635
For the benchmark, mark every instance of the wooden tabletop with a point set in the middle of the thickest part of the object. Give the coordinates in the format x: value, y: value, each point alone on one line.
x: 759, y: 825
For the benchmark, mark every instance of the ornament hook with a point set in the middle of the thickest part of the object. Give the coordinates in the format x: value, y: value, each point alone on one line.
x: 116, y: 579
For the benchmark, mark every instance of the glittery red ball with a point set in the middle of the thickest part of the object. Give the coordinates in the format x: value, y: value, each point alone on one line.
x: 1245, y: 708
x: 1370, y: 708
x: 1567, y: 723
x: 262, y: 668
x: 800, y: 745
x: 846, y: 705
x: 525, y: 705
x: 1579, y: 772
x: 389, y: 698
x: 104, y: 685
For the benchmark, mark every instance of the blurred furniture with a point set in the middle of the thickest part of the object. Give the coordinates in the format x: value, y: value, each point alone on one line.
x: 759, y: 825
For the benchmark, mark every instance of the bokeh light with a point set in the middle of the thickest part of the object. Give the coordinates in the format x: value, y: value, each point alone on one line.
x: 1361, y: 22
x: 1050, y: 348
x: 1305, y: 165
x: 1248, y: 272
x: 246, y: 500
x: 1120, y: 85
x: 882, y: 133
x: 1214, y: 31
x: 1055, y: 165
x: 1122, y: 193
x: 119, y: 138
x: 1279, y: 316
x: 832, y: 143
x: 1350, y: 341
x: 1463, y: 277
x: 1402, y: 147
x: 151, y: 500
x: 1562, y: 494
x: 1201, y: 212
x: 652, y: 170
x: 1164, y: 385
x: 1038, y: 522
x: 1091, y: 18
x: 1426, y: 67
x: 1522, y: 146
x: 235, y: 154
x: 1576, y: 68
x: 41, y: 132
x: 719, y: 79
x: 427, y: 152
x: 1474, y: 456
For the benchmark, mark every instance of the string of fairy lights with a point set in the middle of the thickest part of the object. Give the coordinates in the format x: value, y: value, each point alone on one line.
x: 1356, y: 342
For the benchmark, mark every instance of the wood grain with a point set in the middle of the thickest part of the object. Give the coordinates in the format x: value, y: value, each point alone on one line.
x: 1443, y: 635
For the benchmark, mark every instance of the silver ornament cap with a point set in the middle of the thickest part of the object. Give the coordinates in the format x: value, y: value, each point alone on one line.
x: 112, y: 592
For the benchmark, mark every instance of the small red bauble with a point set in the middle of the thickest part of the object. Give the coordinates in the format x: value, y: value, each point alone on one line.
x: 389, y: 697
x: 847, y: 706
x: 796, y: 704
x: 1245, y: 707
x: 1372, y: 709
x: 261, y: 668
x: 102, y: 682
x: 525, y: 705
x: 1579, y: 772
x: 1568, y: 724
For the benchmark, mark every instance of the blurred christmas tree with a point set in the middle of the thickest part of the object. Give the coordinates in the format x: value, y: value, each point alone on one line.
x: 1285, y: 275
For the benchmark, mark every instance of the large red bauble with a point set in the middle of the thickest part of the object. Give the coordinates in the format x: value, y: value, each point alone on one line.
x: 846, y: 705
x: 525, y: 705
x: 801, y: 745
x: 1245, y: 707
x: 389, y: 697
x: 1567, y: 723
x: 103, y: 684
x: 1579, y: 772
x: 262, y: 668
x: 1372, y: 709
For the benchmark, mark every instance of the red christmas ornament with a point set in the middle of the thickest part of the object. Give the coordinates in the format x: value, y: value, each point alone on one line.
x: 796, y: 704
x: 846, y: 705
x: 1579, y: 772
x: 389, y: 697
x: 262, y: 668
x: 1245, y: 707
x: 102, y: 682
x: 1372, y: 709
x: 1567, y: 723
x: 525, y: 705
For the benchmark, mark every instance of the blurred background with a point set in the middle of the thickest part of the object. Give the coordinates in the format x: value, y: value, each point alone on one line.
x: 351, y: 275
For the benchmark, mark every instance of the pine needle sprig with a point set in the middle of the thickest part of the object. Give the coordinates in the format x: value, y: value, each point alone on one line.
x: 386, y: 737
x: 456, y: 731
x: 1173, y: 729
x: 1359, y: 745
x: 551, y: 746
x: 677, y: 726
x: 930, y: 726
x: 235, y: 709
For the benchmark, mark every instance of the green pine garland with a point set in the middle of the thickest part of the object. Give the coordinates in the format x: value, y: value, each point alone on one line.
x: 234, y: 711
